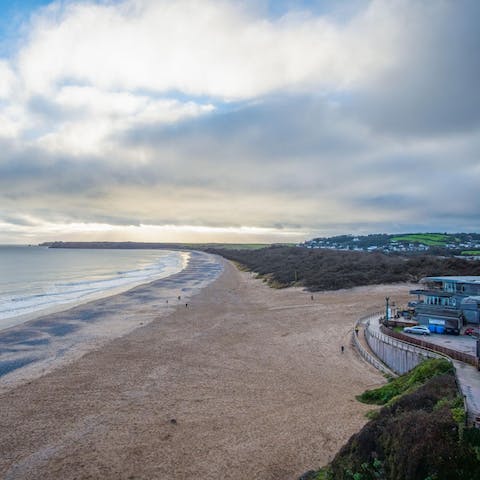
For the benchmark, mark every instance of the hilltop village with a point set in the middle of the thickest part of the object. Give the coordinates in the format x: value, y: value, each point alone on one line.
x: 458, y: 244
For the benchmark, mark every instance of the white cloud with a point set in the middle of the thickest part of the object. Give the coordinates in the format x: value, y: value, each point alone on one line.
x: 98, y: 116
x: 213, y: 48
x: 7, y: 79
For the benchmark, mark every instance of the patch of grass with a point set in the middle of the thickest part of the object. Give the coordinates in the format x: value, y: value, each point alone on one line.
x: 323, y: 474
x: 406, y: 383
x: 430, y: 239
x: 471, y: 252
x: 372, y: 414
x: 456, y: 407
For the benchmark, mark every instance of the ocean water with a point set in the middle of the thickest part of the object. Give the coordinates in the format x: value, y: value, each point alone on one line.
x: 34, y: 280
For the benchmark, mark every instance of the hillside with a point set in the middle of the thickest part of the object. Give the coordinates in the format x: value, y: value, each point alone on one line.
x: 322, y: 269
x: 418, y: 435
x: 436, y: 243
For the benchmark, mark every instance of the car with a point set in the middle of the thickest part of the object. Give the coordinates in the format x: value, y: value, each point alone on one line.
x: 471, y: 331
x: 419, y: 329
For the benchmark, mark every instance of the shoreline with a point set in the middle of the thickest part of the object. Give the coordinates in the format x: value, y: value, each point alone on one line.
x: 51, y: 339
x: 247, y: 382
x: 10, y: 322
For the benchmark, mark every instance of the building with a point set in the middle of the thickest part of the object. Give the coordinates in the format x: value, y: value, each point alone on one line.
x: 445, y: 304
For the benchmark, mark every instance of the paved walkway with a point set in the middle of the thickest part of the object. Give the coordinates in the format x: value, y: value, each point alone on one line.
x: 469, y: 380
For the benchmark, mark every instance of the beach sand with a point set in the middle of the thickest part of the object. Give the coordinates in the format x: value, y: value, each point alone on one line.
x: 247, y: 382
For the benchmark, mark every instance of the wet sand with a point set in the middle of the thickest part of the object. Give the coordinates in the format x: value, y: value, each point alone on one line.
x: 246, y: 382
x: 35, y: 347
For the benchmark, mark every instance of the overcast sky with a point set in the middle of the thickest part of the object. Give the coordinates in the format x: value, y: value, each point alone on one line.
x: 255, y: 120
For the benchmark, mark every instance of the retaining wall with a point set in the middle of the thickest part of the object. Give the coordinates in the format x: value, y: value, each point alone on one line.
x: 364, y: 353
x: 399, y: 356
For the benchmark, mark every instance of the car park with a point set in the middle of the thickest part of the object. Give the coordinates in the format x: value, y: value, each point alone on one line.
x: 418, y: 329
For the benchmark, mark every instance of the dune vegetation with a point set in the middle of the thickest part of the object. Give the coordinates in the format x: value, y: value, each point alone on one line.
x: 322, y: 269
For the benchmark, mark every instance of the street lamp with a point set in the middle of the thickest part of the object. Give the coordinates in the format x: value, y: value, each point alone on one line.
x: 387, y: 316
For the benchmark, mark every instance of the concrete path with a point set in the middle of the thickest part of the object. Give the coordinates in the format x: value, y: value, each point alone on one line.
x: 469, y: 380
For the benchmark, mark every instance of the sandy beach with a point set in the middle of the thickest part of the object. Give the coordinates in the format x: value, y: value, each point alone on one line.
x: 246, y: 382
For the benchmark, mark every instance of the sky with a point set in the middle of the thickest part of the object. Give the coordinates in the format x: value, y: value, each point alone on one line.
x: 238, y: 121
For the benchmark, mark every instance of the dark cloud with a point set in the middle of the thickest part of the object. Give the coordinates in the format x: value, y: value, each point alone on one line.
x: 433, y: 89
x: 389, y: 201
x: 276, y: 128
x: 19, y: 220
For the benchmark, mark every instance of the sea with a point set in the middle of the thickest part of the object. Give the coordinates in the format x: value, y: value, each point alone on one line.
x: 36, y: 280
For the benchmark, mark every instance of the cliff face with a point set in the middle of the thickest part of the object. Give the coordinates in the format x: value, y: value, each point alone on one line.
x: 418, y: 436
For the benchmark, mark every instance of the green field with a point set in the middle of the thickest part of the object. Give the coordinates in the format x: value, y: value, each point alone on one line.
x: 471, y: 252
x: 430, y: 239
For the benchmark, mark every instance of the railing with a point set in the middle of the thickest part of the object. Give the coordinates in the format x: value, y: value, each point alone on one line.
x: 402, y: 345
x: 363, y: 352
x: 461, y: 356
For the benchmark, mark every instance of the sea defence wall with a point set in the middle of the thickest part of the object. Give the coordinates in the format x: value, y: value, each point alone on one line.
x: 399, y: 356
x: 363, y: 350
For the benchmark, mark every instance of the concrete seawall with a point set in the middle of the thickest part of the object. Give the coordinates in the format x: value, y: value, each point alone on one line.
x: 399, y: 356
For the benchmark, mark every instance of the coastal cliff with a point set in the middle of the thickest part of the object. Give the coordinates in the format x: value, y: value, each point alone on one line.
x: 419, y: 434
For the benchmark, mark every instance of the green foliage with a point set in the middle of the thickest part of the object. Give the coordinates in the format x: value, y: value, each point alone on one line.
x: 471, y: 252
x: 407, y: 382
x: 458, y: 414
x: 431, y: 239
x: 414, y: 437
x: 372, y: 414
x: 456, y: 407
x: 324, y: 474
x: 371, y: 470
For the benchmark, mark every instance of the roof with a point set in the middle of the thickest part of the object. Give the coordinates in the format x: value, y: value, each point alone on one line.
x: 437, y: 293
x: 464, y: 279
x: 472, y: 299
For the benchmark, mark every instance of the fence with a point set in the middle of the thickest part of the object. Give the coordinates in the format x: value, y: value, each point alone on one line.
x: 462, y: 357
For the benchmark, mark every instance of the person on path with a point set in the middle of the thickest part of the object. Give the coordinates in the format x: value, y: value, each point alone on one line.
x: 342, y: 348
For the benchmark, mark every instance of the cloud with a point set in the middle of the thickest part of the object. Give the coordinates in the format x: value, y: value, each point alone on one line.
x: 432, y: 87
x: 213, y: 48
x: 7, y: 79
x: 285, y: 117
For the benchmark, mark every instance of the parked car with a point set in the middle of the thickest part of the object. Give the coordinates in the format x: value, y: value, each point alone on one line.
x: 471, y: 331
x: 419, y: 329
